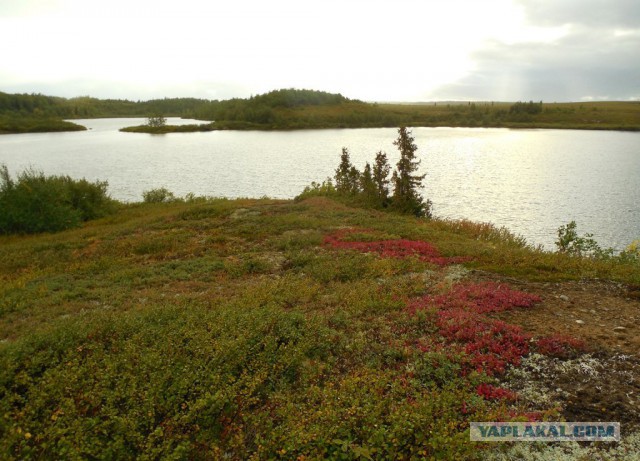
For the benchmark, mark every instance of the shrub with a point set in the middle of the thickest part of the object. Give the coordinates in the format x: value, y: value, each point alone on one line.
x: 90, y: 199
x: 38, y: 203
x: 570, y: 243
x: 326, y: 189
x: 161, y: 195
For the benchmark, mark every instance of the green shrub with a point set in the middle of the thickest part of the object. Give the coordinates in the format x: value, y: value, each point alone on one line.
x: 38, y: 203
x: 570, y: 243
x: 326, y: 189
x: 89, y: 198
x: 161, y: 195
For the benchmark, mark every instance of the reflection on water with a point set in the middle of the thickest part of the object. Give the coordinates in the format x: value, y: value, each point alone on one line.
x: 531, y: 181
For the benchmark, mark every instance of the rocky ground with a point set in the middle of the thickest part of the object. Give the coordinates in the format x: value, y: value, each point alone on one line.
x: 604, y: 383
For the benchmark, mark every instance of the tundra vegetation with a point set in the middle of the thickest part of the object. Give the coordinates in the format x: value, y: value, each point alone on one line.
x: 207, y: 328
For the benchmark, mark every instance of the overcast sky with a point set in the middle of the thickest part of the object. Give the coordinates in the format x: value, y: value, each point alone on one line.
x: 382, y: 50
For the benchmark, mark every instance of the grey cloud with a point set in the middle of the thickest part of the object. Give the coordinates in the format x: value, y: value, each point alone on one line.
x: 579, y: 65
x: 593, y: 13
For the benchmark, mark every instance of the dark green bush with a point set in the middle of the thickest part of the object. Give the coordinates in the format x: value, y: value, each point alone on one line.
x: 37, y: 203
x: 89, y: 198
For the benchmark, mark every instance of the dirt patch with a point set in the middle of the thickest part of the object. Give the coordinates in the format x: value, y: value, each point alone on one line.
x: 603, y: 385
x: 605, y: 315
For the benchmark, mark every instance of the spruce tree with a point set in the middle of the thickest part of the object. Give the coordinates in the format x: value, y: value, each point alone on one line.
x: 347, y: 176
x: 354, y: 180
x: 381, y: 169
x: 342, y: 172
x: 368, y: 187
x: 406, y: 195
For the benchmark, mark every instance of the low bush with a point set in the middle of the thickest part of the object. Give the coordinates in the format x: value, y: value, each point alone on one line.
x: 160, y: 195
x: 37, y: 203
x: 570, y: 243
x: 326, y: 189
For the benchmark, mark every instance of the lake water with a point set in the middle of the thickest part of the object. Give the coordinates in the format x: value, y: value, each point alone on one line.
x: 531, y: 181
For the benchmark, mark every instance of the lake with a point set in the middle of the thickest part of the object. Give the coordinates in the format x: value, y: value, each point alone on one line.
x: 531, y: 181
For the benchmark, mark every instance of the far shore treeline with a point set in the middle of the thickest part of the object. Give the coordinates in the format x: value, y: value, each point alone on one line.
x: 299, y: 109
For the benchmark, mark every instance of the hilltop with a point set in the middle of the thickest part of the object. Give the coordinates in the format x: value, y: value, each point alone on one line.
x: 210, y: 328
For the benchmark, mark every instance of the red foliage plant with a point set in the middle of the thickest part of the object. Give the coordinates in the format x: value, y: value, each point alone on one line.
x: 483, y: 297
x: 491, y: 344
x: 490, y: 392
x: 396, y: 248
x: 560, y: 346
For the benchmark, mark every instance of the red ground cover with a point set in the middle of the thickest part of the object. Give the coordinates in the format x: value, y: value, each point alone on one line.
x: 490, y: 345
x: 396, y: 248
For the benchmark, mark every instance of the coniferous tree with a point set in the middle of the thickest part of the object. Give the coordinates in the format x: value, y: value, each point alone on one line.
x: 347, y: 176
x: 406, y: 195
x: 394, y: 181
x: 342, y: 172
x: 368, y: 187
x: 381, y: 169
x: 354, y: 180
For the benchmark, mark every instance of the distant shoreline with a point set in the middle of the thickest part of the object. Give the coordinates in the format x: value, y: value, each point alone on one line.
x: 206, y: 127
x: 294, y: 109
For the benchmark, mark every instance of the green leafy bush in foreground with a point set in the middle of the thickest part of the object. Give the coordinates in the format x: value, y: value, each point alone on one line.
x: 37, y: 203
x: 586, y: 246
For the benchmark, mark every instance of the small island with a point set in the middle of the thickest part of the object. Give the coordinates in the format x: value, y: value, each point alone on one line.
x: 163, y: 129
x: 23, y: 124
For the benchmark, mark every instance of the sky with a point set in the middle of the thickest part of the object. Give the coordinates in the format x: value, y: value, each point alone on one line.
x: 373, y: 50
